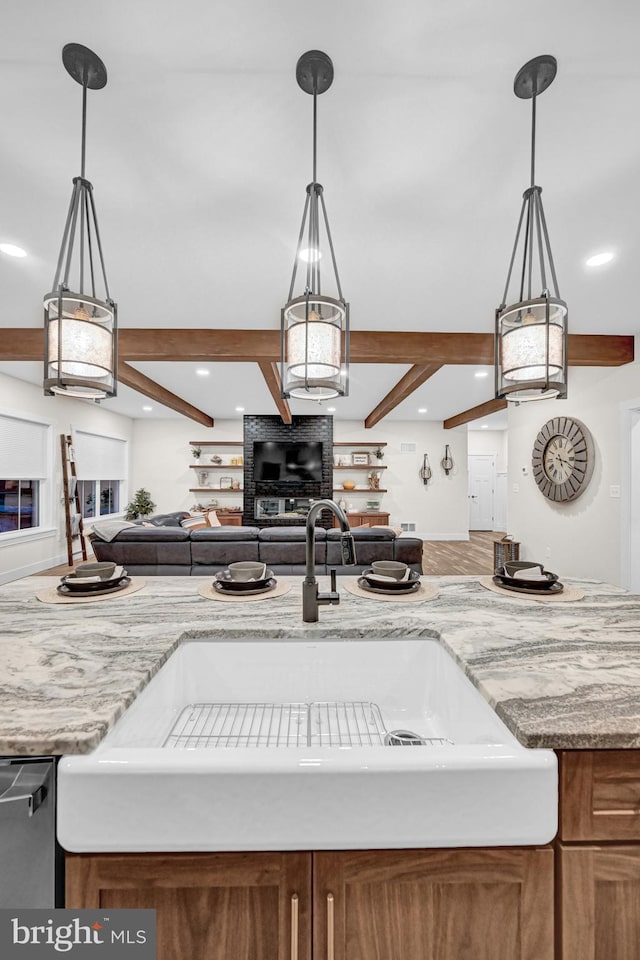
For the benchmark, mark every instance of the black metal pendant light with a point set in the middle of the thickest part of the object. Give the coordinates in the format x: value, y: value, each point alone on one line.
x: 80, y: 326
x: 531, y: 333
x: 314, y: 331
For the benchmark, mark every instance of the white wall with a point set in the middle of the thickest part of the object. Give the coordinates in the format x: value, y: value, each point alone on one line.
x: 490, y: 441
x: 584, y: 537
x: 162, y: 461
x: 18, y: 559
x: 440, y: 508
x: 162, y: 458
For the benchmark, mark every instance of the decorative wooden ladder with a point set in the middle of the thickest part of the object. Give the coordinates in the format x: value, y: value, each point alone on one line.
x: 73, y: 517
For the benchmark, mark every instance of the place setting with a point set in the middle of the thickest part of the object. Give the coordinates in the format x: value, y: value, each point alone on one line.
x: 242, y: 581
x: 391, y: 580
x: 90, y: 582
x: 526, y: 579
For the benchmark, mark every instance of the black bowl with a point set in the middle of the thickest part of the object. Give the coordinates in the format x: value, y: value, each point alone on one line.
x: 223, y: 577
x: 391, y: 585
x: 73, y: 587
x: 523, y: 583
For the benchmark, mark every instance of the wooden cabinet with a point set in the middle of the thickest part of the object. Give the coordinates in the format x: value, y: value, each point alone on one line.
x: 478, y: 904
x: 472, y: 904
x: 210, y: 906
x: 599, y: 902
x: 229, y: 519
x: 370, y: 517
x: 598, y: 886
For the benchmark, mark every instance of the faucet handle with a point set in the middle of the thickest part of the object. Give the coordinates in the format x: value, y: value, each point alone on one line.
x: 334, y: 585
x: 348, y: 548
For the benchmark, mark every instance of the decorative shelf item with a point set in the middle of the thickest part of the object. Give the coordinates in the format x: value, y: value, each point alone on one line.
x: 360, y: 490
x: 358, y: 466
x: 216, y: 466
x: 215, y: 490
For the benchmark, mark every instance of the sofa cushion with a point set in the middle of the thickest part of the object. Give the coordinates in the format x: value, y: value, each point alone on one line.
x: 165, y: 519
x: 224, y: 533
x: 364, y: 533
x: 217, y: 547
x: 293, y: 534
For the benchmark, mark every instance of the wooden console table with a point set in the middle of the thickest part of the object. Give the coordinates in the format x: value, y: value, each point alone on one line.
x: 360, y: 517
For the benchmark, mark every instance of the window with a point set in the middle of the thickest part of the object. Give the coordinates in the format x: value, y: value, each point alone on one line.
x: 97, y: 457
x: 19, y: 504
x: 104, y: 493
x: 24, y: 461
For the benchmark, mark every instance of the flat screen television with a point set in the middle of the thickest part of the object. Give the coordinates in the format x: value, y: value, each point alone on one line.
x: 277, y: 461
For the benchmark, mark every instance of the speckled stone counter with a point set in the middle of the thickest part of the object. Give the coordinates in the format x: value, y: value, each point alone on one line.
x: 559, y: 675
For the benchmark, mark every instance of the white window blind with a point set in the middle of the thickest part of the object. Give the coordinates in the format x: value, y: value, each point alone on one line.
x: 23, y: 449
x: 100, y: 458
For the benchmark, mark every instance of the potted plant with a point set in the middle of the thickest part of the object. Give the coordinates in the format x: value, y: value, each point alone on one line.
x: 196, y: 452
x: 141, y: 505
x: 378, y: 453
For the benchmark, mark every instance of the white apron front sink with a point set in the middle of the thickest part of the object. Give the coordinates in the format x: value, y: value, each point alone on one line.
x: 280, y: 745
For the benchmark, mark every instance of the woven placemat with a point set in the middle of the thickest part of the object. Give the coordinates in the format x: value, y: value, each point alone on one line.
x: 52, y: 595
x: 425, y: 592
x: 569, y: 595
x: 207, y: 591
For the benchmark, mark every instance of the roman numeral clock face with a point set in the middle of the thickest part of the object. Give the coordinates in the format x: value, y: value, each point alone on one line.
x: 562, y: 459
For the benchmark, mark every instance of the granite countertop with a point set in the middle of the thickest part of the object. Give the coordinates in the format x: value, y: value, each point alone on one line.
x: 559, y: 675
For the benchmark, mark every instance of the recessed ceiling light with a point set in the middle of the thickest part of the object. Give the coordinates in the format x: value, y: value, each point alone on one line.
x: 239, y: 409
x: 598, y: 259
x: 148, y: 409
x: 481, y: 373
x: 11, y: 250
x: 484, y: 426
x: 422, y: 409
x: 331, y: 409
x: 203, y: 373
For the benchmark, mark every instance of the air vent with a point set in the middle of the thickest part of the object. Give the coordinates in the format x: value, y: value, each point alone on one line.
x: 408, y: 527
x: 408, y: 448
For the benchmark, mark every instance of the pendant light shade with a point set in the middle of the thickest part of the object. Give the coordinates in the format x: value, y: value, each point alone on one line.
x: 81, y: 326
x: 531, y: 332
x: 314, y: 330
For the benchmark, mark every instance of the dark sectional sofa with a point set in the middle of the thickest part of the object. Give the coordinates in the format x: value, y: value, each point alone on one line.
x: 174, y: 551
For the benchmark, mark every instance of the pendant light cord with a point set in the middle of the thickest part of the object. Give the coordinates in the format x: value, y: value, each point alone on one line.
x: 533, y: 130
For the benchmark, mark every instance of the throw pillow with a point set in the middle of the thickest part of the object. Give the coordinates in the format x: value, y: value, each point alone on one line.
x: 194, y: 523
x: 212, y: 519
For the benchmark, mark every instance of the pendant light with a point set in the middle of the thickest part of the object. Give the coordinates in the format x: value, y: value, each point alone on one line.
x: 80, y: 326
x: 531, y: 334
x: 314, y: 329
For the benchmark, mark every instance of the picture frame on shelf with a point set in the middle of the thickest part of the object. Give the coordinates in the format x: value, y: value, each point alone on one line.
x: 226, y: 483
x: 359, y: 459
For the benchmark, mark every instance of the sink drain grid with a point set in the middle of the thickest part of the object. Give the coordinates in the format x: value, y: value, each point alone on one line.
x: 331, y: 724
x: 336, y: 724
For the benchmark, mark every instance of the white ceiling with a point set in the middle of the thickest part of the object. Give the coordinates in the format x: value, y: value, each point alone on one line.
x: 199, y: 149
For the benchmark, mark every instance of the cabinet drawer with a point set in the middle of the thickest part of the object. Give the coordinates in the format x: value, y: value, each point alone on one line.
x: 599, y: 794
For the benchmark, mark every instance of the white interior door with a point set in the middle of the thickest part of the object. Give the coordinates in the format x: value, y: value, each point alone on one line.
x: 482, y: 472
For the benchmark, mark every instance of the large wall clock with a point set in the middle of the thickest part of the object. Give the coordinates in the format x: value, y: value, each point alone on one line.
x: 562, y: 459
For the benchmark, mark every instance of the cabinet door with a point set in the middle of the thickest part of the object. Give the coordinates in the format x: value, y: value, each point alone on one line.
x: 229, y: 906
x: 599, y: 794
x: 599, y: 902
x: 484, y: 904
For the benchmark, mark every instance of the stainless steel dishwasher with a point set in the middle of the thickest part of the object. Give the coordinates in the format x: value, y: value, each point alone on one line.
x: 31, y: 864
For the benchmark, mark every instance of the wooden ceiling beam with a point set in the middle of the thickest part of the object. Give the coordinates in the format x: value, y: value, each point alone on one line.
x: 367, y: 346
x: 475, y: 413
x: 271, y: 374
x: 412, y: 379
x: 131, y: 377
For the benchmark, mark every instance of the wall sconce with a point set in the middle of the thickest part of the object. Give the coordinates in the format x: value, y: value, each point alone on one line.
x: 425, y: 472
x: 447, y: 461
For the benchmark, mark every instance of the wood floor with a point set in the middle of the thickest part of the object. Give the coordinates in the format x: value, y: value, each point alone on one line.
x: 464, y: 557
x: 439, y: 557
